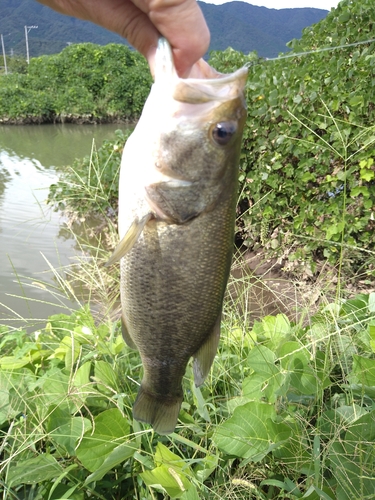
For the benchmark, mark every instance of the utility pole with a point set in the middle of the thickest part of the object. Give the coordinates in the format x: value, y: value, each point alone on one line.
x: 27, y: 29
x: 5, y: 57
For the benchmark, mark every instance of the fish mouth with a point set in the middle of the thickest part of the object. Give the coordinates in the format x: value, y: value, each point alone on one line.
x: 223, y: 88
x: 210, y: 85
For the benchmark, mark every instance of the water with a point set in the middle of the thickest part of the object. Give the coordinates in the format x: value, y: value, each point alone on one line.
x: 32, y: 237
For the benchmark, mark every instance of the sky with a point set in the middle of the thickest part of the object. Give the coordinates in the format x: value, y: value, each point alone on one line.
x: 286, y: 4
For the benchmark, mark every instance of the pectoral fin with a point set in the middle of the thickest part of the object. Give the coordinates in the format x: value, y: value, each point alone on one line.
x: 205, y: 355
x: 129, y: 240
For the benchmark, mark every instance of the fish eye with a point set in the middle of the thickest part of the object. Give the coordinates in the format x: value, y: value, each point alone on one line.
x: 223, y: 132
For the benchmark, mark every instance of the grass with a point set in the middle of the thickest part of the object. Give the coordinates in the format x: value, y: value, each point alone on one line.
x: 287, y: 411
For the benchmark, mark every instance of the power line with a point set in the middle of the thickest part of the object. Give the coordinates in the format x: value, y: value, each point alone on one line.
x: 324, y: 49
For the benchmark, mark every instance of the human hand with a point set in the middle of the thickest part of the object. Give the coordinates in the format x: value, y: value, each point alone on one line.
x: 142, y: 22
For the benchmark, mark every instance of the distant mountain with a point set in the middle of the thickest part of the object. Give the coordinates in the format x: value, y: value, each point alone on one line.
x: 239, y: 25
x: 247, y: 27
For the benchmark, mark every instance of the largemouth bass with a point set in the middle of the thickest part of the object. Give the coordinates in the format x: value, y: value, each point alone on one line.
x: 178, y: 192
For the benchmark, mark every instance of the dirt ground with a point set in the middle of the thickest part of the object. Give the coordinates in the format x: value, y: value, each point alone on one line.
x: 261, y: 286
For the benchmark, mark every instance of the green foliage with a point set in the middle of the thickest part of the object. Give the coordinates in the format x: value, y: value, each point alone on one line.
x: 307, y: 167
x: 84, y: 82
x: 16, y: 64
x: 288, y: 412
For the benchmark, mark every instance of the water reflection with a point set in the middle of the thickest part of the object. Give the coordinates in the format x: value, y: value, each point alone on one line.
x: 32, y: 241
x: 4, y: 178
x: 53, y: 145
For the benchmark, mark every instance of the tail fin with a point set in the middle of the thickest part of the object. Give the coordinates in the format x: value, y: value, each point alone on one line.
x: 161, y: 413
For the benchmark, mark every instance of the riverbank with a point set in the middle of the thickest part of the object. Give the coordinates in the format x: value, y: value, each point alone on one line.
x: 88, y: 119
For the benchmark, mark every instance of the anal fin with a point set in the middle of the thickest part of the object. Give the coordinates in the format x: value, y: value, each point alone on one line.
x: 129, y: 240
x: 205, y: 355
x: 126, y: 335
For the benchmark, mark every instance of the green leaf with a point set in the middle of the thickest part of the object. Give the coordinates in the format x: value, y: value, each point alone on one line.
x: 16, y: 362
x: 170, y: 474
x: 200, y: 402
x: 334, y: 229
x: 267, y: 380
x: 68, y: 350
x: 65, y: 430
x: 35, y: 470
x: 291, y: 350
x: 356, y: 101
x: 367, y: 175
x: 364, y: 370
x: 113, y: 459
x: 163, y: 455
x: 353, y: 472
x: 371, y: 329
x: 360, y: 190
x: 272, y: 329
x: 82, y: 376
x: 104, y: 373
x: 191, y: 494
x: 315, y: 493
x: 14, y: 389
x: 110, y: 430
x: 59, y: 490
x: 371, y: 302
x: 206, y: 467
x: 167, y: 479
x: 344, y: 18
x: 251, y: 432
x: 276, y: 328
x: 362, y: 430
x: 55, y: 383
x: 296, y: 359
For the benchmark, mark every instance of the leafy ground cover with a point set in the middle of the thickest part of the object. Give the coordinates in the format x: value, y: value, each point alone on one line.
x: 287, y: 412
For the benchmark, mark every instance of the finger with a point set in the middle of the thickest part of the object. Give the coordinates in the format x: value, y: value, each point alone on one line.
x: 183, y: 25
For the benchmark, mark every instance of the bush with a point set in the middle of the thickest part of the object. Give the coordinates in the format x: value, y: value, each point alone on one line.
x: 307, y: 166
x: 103, y: 83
